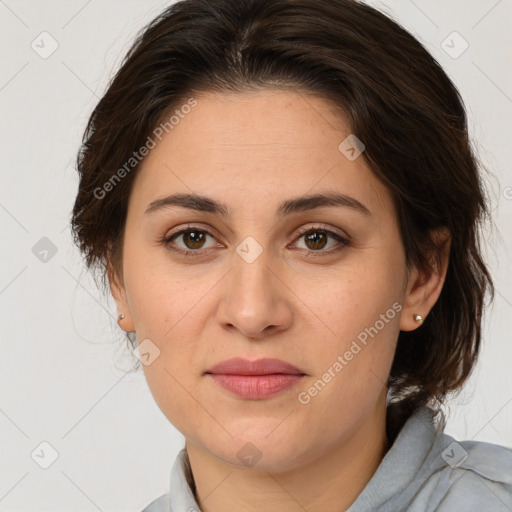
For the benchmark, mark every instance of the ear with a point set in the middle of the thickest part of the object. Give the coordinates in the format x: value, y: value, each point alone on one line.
x: 424, y: 287
x: 118, y: 291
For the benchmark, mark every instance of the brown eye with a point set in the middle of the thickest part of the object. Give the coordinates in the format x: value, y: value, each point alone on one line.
x: 192, y: 240
x: 315, y: 240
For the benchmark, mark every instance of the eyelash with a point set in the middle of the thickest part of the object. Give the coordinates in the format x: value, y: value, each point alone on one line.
x: 319, y: 228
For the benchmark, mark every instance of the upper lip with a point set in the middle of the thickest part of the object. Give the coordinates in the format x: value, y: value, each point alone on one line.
x: 264, y: 366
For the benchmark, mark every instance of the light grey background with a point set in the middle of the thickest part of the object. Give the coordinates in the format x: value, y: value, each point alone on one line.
x: 62, y: 368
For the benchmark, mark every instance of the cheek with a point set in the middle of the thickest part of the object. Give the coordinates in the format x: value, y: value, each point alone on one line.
x: 359, y: 307
x: 162, y: 296
x: 347, y: 299
x: 351, y: 368
x: 174, y: 393
x: 168, y: 309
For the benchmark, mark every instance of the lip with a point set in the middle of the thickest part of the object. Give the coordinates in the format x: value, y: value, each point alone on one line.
x: 263, y: 366
x: 255, y: 380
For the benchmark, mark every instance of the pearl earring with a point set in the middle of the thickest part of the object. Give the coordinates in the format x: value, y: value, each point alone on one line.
x: 121, y: 317
x: 418, y: 319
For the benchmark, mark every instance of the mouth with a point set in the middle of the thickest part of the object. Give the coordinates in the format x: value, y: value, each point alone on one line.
x: 264, y: 366
x: 255, y: 380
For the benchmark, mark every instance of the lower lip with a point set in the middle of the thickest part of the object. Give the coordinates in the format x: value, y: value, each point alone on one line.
x: 256, y: 387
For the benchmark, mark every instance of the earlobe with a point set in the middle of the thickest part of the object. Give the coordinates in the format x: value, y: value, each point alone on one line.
x: 424, y: 286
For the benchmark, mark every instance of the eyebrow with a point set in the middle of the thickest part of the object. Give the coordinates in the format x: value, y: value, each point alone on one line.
x: 288, y: 207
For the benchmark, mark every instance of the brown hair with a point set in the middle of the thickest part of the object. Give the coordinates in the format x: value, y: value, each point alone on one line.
x: 398, y: 101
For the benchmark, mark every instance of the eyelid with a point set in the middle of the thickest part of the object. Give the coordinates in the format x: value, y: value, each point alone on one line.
x: 191, y: 226
x: 322, y: 227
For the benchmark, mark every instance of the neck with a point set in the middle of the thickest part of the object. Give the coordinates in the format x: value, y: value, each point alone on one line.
x: 336, y: 476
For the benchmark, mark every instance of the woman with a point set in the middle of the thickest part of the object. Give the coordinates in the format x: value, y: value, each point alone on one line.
x: 283, y: 199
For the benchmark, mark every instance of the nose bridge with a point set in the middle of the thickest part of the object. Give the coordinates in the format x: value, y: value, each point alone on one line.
x: 253, y: 301
x: 251, y: 285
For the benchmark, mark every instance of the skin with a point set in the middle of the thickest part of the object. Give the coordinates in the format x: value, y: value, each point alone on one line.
x: 295, y: 302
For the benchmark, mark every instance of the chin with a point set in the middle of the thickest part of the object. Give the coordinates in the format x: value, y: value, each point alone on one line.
x: 260, y: 446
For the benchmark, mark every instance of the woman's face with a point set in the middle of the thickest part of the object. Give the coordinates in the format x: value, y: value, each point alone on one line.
x: 267, y: 277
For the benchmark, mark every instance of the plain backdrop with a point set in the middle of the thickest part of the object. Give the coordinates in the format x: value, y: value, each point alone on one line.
x: 62, y: 370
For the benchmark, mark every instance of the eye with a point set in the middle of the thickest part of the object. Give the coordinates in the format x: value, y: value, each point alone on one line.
x: 193, y: 240
x: 316, y: 238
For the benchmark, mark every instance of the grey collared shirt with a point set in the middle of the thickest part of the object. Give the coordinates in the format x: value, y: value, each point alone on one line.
x: 424, y: 470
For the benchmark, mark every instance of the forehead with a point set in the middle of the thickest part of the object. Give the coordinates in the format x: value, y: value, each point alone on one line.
x: 269, y: 143
x: 275, y: 121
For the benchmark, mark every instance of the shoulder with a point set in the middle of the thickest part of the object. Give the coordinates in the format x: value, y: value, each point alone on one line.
x: 427, y: 469
x: 161, y: 504
x: 473, y: 476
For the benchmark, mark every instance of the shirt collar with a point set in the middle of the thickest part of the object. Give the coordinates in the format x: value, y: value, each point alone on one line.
x: 412, y: 458
x: 181, y: 497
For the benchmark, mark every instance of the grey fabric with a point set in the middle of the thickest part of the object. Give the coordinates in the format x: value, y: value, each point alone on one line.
x: 425, y: 470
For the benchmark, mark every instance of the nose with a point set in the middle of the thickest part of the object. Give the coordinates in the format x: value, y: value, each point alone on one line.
x: 255, y: 300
